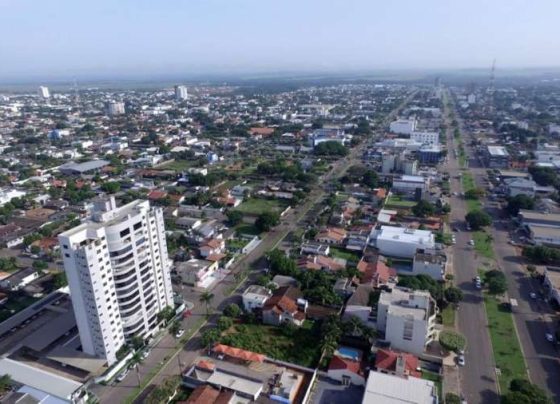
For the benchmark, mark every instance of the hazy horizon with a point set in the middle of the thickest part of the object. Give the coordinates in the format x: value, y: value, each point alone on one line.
x: 104, y: 39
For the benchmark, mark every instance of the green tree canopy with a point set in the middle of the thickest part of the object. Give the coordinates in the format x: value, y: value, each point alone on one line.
x: 478, y: 219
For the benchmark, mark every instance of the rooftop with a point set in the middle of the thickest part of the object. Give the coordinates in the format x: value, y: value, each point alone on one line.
x: 389, y: 389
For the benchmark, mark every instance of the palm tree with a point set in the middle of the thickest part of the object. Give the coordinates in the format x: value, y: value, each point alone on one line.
x: 135, y: 360
x: 206, y: 298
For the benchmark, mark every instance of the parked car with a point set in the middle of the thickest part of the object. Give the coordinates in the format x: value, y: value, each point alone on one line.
x: 471, y: 242
x: 461, y: 360
x: 122, y: 376
x: 533, y: 295
x: 549, y: 337
x: 179, y: 333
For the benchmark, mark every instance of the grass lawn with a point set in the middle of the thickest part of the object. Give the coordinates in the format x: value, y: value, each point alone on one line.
x: 483, y: 244
x: 448, y: 316
x: 248, y: 229
x: 398, y: 202
x: 177, y: 165
x: 256, y: 206
x: 434, y: 377
x: 236, y: 244
x: 299, y: 345
x: 349, y: 256
x: 473, y: 204
x: 507, y: 352
x: 468, y: 182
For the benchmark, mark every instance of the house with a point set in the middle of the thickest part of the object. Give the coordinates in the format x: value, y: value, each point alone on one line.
x: 386, y: 388
x: 407, y: 318
x: 283, y: 280
x: 315, y: 249
x: 332, y: 236
x: 357, y: 240
x: 347, y: 368
x: 212, y: 247
x: 286, y: 305
x: 321, y: 263
x: 46, y: 244
x: 206, y: 394
x: 401, y: 242
x: 431, y: 264
x: 359, y: 306
x: 376, y: 273
x: 19, y: 279
x: 188, y: 223
x: 397, y: 363
x: 197, y: 272
x: 254, y: 297
x: 496, y: 157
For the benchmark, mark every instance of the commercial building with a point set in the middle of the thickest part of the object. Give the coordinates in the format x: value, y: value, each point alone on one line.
x: 529, y: 217
x: 181, y: 93
x: 88, y: 167
x: 407, y: 318
x: 544, y: 235
x: 119, y: 274
x: 425, y: 137
x: 410, y: 184
x: 433, y: 265
x: 401, y: 241
x: 496, y: 157
x: 403, y: 126
x: 328, y: 135
x: 44, y: 92
x: 429, y: 154
x: 115, y: 108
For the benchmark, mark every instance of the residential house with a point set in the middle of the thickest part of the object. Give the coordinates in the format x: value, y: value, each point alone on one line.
x: 254, y: 297
x: 286, y: 305
x: 401, y: 242
x: 347, y: 369
x: 397, y: 363
x: 315, y: 249
x: 197, y: 272
x: 359, y: 306
x: 332, y: 236
x: 321, y: 262
x: 376, y: 273
x: 19, y: 279
x: 431, y: 264
x: 385, y: 388
x: 211, y: 247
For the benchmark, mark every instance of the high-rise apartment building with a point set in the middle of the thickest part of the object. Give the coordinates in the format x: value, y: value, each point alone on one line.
x: 115, y: 108
x: 181, y: 93
x: 44, y: 92
x: 118, y: 272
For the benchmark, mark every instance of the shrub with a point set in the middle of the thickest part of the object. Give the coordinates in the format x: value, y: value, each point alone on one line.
x: 452, y: 341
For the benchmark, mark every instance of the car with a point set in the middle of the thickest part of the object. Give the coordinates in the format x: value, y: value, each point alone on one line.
x: 549, y: 337
x: 471, y: 242
x: 122, y: 375
x: 478, y: 285
x: 533, y: 295
x: 468, y: 227
x: 179, y: 333
x: 477, y: 279
x: 145, y: 353
x: 461, y: 360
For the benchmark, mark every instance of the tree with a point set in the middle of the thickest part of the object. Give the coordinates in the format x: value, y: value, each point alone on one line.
x: 331, y: 148
x: 518, y: 202
x: 451, y: 398
x: 206, y: 298
x: 40, y: 265
x: 452, y: 341
x: 60, y: 280
x: 544, y: 176
x: 134, y: 362
x: 542, y: 254
x: 210, y: 336
x: 531, y: 392
x: 497, y: 283
x: 478, y: 219
x: 137, y: 342
x: 423, y: 208
x: 5, y: 383
x: 224, y: 323
x: 111, y: 187
x: 453, y: 295
x: 234, y: 217
x: 474, y: 193
x: 266, y: 221
x: 232, y: 310
x: 174, y: 327
x: 166, y: 314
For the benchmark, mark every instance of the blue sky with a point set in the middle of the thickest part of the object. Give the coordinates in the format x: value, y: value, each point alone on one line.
x: 78, y: 37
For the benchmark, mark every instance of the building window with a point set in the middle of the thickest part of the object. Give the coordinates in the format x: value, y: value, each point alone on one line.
x: 125, y: 232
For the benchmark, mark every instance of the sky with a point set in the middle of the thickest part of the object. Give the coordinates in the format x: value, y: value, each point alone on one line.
x: 64, y: 38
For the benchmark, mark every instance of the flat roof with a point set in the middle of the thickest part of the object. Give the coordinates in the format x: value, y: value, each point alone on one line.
x: 39, y: 379
x: 406, y: 235
x: 531, y: 215
x: 235, y: 383
x: 389, y: 389
x: 76, y: 359
x: 498, y: 151
x: 84, y: 167
x: 544, y: 231
x: 50, y: 332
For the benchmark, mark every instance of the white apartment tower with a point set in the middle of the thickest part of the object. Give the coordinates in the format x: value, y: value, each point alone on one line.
x: 44, y: 92
x: 181, y: 93
x: 118, y: 272
x: 115, y: 108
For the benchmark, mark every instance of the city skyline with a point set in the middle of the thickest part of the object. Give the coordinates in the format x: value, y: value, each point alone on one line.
x: 217, y: 37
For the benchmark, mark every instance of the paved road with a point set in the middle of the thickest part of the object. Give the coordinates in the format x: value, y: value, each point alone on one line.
x: 533, y: 318
x: 478, y: 378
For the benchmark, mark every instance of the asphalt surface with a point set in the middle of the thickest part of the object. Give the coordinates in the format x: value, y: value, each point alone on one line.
x: 478, y: 377
x: 533, y: 317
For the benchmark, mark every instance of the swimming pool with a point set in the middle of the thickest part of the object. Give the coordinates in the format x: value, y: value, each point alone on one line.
x: 348, y: 352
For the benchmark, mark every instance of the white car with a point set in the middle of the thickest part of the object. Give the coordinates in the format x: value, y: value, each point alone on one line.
x: 549, y: 337
x: 533, y: 295
x: 461, y: 360
x: 145, y: 354
x: 471, y: 242
x: 478, y: 285
x: 122, y: 376
x: 179, y: 333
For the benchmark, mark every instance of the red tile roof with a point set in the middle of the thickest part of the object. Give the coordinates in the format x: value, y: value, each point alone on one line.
x: 387, y: 360
x: 204, y: 394
x: 338, y: 363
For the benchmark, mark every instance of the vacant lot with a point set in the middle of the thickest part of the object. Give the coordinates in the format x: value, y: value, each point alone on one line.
x: 399, y: 202
x: 256, y: 206
x: 177, y: 165
x: 297, y: 345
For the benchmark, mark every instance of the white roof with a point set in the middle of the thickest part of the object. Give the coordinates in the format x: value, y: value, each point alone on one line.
x: 406, y: 235
x: 389, y: 389
x: 39, y: 379
x: 411, y: 178
x: 497, y: 151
